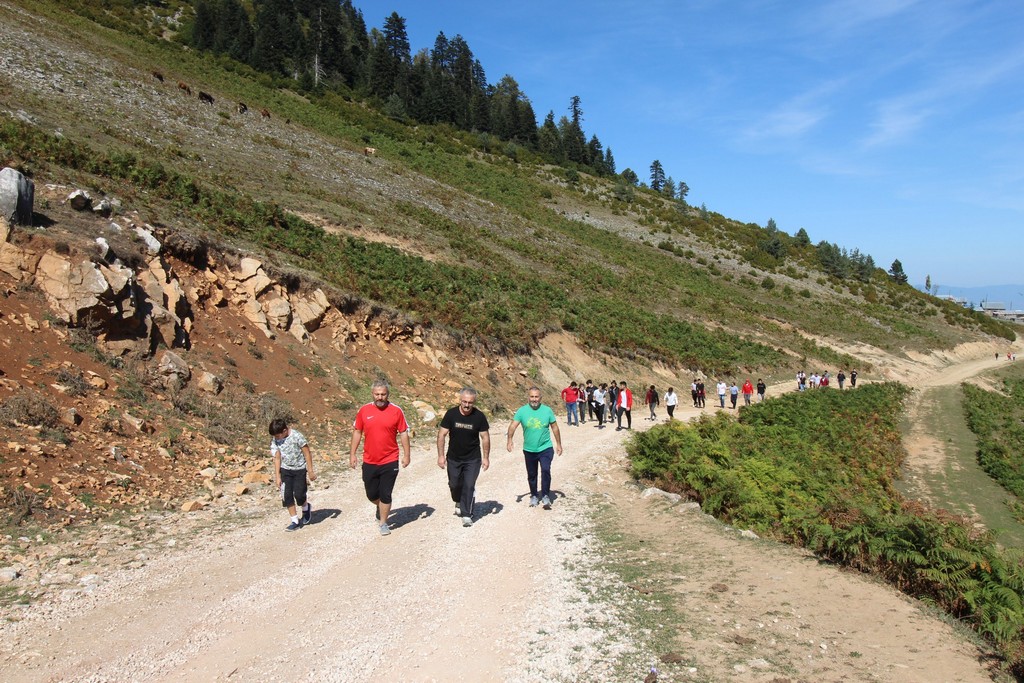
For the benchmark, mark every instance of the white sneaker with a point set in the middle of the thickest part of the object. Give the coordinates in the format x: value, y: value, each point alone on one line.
x: 546, y: 502
x: 533, y: 501
x: 385, y: 530
x: 467, y: 521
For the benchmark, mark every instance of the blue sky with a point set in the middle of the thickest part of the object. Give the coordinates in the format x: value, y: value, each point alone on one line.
x: 892, y: 126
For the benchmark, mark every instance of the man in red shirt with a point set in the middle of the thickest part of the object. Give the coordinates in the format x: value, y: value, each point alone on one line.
x: 571, y: 396
x: 748, y: 391
x: 381, y: 422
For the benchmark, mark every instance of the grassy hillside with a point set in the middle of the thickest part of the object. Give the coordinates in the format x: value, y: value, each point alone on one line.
x: 437, y: 225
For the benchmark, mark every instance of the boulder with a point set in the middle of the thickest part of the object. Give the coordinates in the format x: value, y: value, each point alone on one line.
x: 257, y: 284
x: 79, y: 200
x: 163, y: 326
x: 209, y: 383
x: 247, y: 268
x: 17, y: 194
x: 173, y: 370
x: 253, y: 312
x: 152, y: 243
x: 70, y: 417
x: 256, y: 478
x: 103, y: 208
x: 74, y: 290
x: 298, y: 331
x: 16, y: 262
x: 278, y: 312
x: 192, y: 506
x: 310, y: 310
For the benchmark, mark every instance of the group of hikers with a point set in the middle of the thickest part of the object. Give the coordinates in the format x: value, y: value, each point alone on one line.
x: 613, y: 401
x: 606, y: 402
x: 382, y: 429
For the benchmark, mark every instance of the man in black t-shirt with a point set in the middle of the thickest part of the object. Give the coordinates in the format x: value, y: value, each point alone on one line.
x: 469, y: 449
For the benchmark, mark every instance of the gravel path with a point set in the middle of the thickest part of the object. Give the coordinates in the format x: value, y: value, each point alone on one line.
x: 511, y: 598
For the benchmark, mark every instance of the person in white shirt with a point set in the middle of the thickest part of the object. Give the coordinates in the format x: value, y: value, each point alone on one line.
x: 671, y: 400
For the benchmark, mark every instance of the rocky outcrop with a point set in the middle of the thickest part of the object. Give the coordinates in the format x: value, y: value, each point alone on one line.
x: 17, y: 194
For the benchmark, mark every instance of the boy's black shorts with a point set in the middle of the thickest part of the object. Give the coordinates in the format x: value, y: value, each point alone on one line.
x: 294, y: 487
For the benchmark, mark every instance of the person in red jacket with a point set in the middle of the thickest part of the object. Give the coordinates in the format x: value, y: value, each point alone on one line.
x: 624, y: 406
x: 571, y: 395
x: 748, y: 391
x: 651, y: 400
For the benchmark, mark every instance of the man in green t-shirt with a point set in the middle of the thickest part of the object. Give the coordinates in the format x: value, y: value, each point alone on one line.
x: 539, y: 425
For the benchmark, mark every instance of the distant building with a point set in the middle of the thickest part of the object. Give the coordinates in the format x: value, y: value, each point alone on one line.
x: 998, y: 310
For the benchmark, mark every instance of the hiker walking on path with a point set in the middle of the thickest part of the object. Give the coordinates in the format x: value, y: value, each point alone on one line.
x: 589, y: 392
x: 701, y: 393
x: 671, y: 401
x: 598, y: 402
x: 748, y: 391
x: 539, y: 426
x: 571, y: 396
x: 651, y: 400
x: 624, y: 406
x: 382, y: 423
x: 841, y: 378
x: 853, y: 379
x: 581, y: 404
x: 734, y: 394
x: 693, y: 393
x: 761, y: 388
x: 722, y: 387
x: 293, y: 464
x: 469, y: 451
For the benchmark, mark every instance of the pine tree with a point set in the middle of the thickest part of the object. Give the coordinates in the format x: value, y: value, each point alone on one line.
x: 595, y: 152
x: 669, y: 188
x: 682, y: 189
x: 549, y: 139
x: 573, y: 141
x: 657, y: 176
x: 896, y: 272
x: 204, y: 26
x: 609, y: 162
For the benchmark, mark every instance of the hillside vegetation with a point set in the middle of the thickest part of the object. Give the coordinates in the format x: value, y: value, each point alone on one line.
x: 436, y: 225
x: 817, y: 469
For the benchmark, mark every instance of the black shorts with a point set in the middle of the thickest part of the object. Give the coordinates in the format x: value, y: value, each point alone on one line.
x: 294, y: 482
x: 379, y: 481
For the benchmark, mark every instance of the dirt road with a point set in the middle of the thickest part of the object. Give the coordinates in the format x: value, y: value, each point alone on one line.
x: 520, y: 596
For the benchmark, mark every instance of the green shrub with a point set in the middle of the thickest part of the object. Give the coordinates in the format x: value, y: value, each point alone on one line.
x: 818, y: 469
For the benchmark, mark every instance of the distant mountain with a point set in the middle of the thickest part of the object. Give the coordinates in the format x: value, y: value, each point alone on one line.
x: 1011, y: 295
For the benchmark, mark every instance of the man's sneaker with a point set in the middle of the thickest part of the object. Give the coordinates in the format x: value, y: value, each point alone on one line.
x: 467, y: 521
x: 307, y: 515
x: 533, y: 501
x: 294, y: 526
x: 546, y: 502
x: 385, y: 530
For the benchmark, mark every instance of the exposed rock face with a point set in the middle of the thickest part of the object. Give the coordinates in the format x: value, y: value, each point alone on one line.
x: 17, y: 194
x: 74, y: 290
